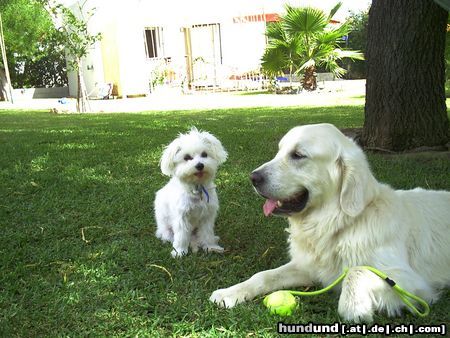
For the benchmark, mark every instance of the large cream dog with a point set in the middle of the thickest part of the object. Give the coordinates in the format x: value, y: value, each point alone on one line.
x: 340, y: 216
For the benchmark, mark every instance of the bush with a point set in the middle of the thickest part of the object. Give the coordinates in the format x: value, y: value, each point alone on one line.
x: 357, y: 40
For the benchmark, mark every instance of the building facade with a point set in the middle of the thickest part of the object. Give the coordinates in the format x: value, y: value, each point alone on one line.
x: 188, y: 44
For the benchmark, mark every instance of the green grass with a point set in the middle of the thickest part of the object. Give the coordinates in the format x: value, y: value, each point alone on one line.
x: 78, y: 254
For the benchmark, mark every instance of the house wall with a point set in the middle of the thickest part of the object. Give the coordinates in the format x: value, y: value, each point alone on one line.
x: 121, y: 58
x: 243, y: 45
x: 110, y: 56
x: 133, y: 78
x: 92, y: 70
x: 92, y: 65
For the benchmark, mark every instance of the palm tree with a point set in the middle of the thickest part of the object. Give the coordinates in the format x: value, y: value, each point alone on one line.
x: 303, y: 40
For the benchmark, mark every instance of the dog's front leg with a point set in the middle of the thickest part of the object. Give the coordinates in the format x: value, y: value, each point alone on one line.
x: 181, y: 237
x: 206, y: 237
x: 363, y: 292
x: 360, y: 291
x: 285, y: 276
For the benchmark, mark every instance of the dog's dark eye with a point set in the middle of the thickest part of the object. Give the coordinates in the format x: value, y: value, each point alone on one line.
x: 204, y: 154
x: 297, y: 156
x: 187, y: 157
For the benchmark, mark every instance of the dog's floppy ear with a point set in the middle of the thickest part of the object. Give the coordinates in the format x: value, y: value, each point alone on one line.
x: 219, y: 153
x: 358, y: 184
x: 167, y: 164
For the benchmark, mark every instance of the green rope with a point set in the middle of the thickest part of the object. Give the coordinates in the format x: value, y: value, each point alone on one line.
x: 319, y: 292
x: 404, y: 295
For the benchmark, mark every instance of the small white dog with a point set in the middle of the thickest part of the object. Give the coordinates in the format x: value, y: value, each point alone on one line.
x: 186, y: 207
x: 341, y: 216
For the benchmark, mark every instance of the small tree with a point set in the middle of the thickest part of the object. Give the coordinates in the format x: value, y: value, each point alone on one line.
x: 303, y: 40
x: 77, y: 40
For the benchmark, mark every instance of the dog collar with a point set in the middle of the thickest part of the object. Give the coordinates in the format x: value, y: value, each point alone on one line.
x: 206, y: 193
x: 199, y: 190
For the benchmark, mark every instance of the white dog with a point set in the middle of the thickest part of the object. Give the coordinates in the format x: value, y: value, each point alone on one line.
x: 340, y: 216
x: 186, y: 208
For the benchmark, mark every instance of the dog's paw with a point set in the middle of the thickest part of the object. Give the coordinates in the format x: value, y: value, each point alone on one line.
x: 214, y: 248
x: 178, y: 253
x: 227, y: 298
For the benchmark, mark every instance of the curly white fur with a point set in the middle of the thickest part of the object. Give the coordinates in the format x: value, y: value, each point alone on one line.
x: 350, y: 220
x: 186, y: 207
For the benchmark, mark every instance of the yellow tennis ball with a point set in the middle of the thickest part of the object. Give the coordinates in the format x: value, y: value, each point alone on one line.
x: 282, y: 303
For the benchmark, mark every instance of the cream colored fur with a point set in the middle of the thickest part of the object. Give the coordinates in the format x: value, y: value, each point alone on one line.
x: 351, y: 220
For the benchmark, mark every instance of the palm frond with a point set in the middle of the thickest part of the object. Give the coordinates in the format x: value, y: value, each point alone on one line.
x: 322, y: 51
x: 334, y: 34
x: 274, y: 61
x: 275, y: 31
x: 351, y: 54
x: 290, y: 47
x: 332, y: 38
x: 334, y: 68
x: 304, y: 21
x: 334, y: 10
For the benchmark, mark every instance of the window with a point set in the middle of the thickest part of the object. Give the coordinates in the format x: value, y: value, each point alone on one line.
x: 153, y: 42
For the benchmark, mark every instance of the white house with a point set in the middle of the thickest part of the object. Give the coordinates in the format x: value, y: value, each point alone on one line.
x: 198, y: 42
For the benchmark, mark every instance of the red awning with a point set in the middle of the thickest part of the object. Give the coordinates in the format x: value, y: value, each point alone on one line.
x: 269, y: 17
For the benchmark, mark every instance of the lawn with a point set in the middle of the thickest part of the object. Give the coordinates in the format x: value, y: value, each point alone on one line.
x: 78, y: 254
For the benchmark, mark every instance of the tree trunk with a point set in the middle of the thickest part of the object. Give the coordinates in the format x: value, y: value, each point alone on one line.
x: 82, y: 100
x: 3, y: 86
x: 309, y: 81
x: 79, y: 103
x: 405, y: 92
x: 290, y: 76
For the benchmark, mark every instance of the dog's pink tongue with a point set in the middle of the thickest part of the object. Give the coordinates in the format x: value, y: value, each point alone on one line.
x: 269, y: 207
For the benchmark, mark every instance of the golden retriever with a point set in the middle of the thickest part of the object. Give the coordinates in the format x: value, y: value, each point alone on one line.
x: 340, y: 216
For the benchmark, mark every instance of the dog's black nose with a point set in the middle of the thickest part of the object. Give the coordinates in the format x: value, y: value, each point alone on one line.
x: 199, y: 166
x: 257, y: 178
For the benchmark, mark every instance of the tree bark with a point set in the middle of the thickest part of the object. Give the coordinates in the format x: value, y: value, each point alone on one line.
x: 405, y: 92
x: 309, y: 81
x: 79, y: 101
x: 3, y: 86
x: 82, y: 99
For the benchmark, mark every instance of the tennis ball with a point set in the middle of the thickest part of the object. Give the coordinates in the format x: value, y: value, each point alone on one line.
x: 282, y: 303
